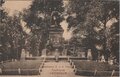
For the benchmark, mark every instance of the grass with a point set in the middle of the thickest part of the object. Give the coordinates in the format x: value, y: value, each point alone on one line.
x: 27, y: 64
x: 87, y: 68
x: 91, y: 65
x: 27, y: 67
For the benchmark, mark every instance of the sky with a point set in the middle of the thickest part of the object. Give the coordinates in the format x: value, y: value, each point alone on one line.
x: 12, y: 5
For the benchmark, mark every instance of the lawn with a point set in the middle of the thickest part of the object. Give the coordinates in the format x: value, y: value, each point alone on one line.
x: 89, y: 67
x: 26, y: 67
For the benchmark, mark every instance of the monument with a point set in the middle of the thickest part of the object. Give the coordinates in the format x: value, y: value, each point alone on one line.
x: 55, y: 36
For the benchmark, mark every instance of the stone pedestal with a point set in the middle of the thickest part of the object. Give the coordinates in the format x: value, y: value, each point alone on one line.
x: 44, y: 51
x: 23, y: 54
x: 89, y: 54
x: 64, y: 52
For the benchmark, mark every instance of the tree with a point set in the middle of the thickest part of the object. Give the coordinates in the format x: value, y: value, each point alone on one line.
x: 41, y: 10
x: 11, y: 37
x: 38, y: 18
x: 93, y: 16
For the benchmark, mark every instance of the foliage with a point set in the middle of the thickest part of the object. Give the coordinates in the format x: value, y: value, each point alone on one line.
x: 39, y: 19
x: 93, y: 16
x: 11, y: 37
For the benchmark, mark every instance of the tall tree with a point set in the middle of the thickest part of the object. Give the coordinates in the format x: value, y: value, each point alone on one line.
x: 38, y: 18
x: 11, y: 37
x: 93, y: 17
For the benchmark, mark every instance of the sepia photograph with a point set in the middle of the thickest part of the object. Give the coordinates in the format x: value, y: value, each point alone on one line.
x: 59, y: 38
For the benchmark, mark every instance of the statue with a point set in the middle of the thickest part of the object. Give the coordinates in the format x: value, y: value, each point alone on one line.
x: 55, y: 18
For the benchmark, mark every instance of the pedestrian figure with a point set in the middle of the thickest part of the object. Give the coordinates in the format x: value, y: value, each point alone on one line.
x: 56, y: 55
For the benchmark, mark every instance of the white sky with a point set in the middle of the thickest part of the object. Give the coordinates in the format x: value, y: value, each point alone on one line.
x: 12, y: 5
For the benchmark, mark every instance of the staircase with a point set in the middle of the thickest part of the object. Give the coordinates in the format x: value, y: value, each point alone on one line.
x: 57, y: 69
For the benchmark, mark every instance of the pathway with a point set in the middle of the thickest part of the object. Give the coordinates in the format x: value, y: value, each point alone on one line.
x: 57, y: 69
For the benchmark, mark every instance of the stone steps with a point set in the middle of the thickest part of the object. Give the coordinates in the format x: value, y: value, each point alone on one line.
x: 57, y: 69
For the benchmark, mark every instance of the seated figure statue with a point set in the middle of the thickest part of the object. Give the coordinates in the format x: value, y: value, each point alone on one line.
x: 56, y: 19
